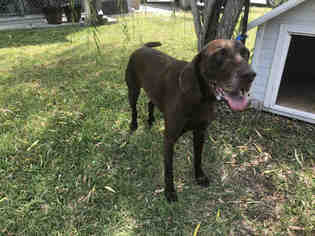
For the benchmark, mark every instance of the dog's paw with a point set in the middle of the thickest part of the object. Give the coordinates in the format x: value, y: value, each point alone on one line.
x: 203, y: 181
x: 171, y: 196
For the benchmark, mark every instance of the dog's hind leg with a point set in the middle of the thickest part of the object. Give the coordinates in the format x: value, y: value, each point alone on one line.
x: 151, y: 114
x: 133, y: 95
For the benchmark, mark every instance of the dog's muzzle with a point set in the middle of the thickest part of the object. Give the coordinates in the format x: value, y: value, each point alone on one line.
x: 237, y: 101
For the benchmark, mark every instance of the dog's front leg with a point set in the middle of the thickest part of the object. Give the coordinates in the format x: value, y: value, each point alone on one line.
x: 170, y: 192
x: 174, y: 125
x: 199, y: 136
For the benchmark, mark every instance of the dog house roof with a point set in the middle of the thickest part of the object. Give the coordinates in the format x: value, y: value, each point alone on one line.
x: 275, y: 12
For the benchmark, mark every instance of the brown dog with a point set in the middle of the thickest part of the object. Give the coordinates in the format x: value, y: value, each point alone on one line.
x: 186, y: 93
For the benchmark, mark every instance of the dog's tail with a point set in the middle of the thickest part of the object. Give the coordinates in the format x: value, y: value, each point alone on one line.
x: 152, y: 44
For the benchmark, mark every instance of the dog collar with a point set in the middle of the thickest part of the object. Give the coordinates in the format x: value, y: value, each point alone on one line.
x: 206, y: 95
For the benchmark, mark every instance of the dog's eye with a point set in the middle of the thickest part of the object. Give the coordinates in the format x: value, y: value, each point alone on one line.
x: 220, y: 56
x: 222, y: 52
x: 244, y: 53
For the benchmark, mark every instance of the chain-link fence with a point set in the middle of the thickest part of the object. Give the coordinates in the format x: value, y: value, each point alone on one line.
x: 11, y: 7
x: 20, y: 7
x: 28, y: 7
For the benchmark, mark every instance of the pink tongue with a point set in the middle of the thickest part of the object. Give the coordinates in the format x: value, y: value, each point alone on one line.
x: 236, y: 103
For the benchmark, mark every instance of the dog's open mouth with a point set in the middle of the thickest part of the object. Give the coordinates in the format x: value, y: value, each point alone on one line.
x: 237, y: 101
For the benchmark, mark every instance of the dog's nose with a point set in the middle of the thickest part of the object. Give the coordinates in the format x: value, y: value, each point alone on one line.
x: 250, y: 75
x: 253, y: 74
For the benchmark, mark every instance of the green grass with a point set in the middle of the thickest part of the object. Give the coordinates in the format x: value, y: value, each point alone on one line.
x: 69, y: 167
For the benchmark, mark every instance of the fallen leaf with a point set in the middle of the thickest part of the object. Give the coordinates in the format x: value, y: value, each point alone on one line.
x: 296, y: 228
x: 196, y: 230
x: 110, y: 189
x: 33, y: 145
x: 259, y: 135
x: 157, y: 191
x: 259, y: 149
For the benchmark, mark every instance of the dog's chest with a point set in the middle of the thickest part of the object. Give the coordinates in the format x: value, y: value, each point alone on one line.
x: 200, y: 116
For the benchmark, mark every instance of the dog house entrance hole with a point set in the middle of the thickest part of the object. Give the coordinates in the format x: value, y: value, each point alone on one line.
x: 297, y: 87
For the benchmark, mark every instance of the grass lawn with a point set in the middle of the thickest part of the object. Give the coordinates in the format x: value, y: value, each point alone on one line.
x: 69, y: 167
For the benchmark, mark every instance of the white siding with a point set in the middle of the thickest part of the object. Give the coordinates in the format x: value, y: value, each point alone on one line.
x: 302, y: 14
x: 262, y: 63
x: 255, y: 88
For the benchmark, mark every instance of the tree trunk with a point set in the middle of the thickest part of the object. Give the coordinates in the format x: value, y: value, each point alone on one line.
x: 229, y: 19
x: 213, y: 23
x: 91, y: 8
x: 217, y: 19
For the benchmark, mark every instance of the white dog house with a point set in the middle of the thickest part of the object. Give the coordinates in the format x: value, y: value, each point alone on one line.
x: 284, y: 59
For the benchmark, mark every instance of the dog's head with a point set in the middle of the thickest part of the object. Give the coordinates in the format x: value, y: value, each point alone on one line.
x: 223, y: 66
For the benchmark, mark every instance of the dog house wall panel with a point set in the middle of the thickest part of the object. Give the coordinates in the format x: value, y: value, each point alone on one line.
x: 265, y: 58
x: 266, y: 46
x: 267, y: 34
x: 266, y: 41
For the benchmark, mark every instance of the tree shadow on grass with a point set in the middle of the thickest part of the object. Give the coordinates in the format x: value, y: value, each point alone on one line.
x: 246, y: 193
x: 244, y: 196
x: 63, y: 113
